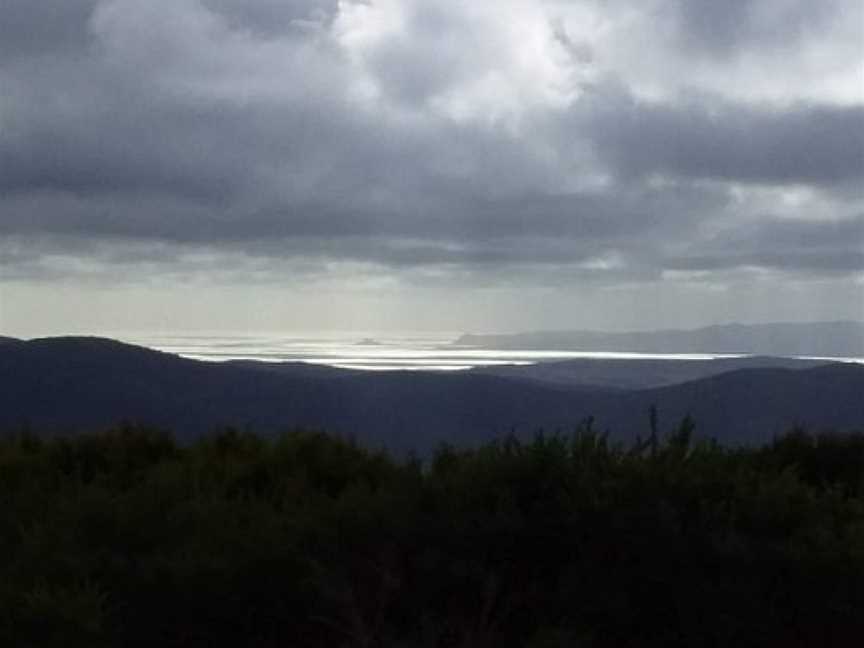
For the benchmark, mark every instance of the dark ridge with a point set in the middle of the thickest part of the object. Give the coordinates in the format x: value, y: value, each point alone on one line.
x: 619, y: 373
x: 292, y: 368
x: 70, y: 384
x: 745, y: 405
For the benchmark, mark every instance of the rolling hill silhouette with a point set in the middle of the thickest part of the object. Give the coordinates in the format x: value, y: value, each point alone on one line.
x: 72, y: 384
x: 618, y: 373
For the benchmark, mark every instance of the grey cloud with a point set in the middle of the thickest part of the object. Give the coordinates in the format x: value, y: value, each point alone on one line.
x: 788, y: 233
x: 792, y: 234
x: 251, y: 143
x: 115, y: 145
x: 724, y: 28
x: 724, y: 141
x: 273, y: 17
x: 843, y: 261
x: 43, y: 28
x: 624, y: 218
x: 785, y: 244
x: 443, y: 50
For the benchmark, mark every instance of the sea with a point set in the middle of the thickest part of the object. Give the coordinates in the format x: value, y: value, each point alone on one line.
x: 372, y: 351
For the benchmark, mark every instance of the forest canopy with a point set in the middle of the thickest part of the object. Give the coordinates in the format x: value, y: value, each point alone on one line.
x: 127, y: 538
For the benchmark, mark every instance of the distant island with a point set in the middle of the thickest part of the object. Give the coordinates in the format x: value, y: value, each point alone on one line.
x: 368, y: 342
x: 813, y: 339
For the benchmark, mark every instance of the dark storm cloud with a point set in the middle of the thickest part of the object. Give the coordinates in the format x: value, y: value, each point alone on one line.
x: 274, y: 17
x: 579, y: 222
x: 111, y: 143
x: 714, y: 139
x: 790, y: 235
x: 809, y: 262
x: 827, y: 246
x: 272, y: 129
x: 43, y: 28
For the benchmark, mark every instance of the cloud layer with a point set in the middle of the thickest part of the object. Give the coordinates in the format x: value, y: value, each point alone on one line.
x: 444, y: 146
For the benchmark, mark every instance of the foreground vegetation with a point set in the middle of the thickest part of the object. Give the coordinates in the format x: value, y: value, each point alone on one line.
x: 127, y: 539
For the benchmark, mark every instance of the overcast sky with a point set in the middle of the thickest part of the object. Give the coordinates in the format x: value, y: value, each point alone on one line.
x: 410, y: 164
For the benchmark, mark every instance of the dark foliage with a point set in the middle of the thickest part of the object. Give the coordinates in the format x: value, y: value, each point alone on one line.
x: 127, y: 539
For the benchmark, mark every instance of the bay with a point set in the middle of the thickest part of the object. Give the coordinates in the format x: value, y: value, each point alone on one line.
x: 368, y: 350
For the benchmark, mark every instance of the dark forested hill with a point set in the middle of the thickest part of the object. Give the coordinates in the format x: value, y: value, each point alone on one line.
x: 750, y: 405
x: 68, y: 384
x: 618, y: 373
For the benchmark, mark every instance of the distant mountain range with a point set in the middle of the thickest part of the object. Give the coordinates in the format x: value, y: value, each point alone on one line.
x: 821, y: 339
x: 74, y: 384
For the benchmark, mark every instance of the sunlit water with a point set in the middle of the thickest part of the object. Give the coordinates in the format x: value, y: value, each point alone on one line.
x: 369, y: 351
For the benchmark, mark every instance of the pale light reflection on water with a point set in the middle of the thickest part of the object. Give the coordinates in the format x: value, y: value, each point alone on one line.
x: 369, y: 351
